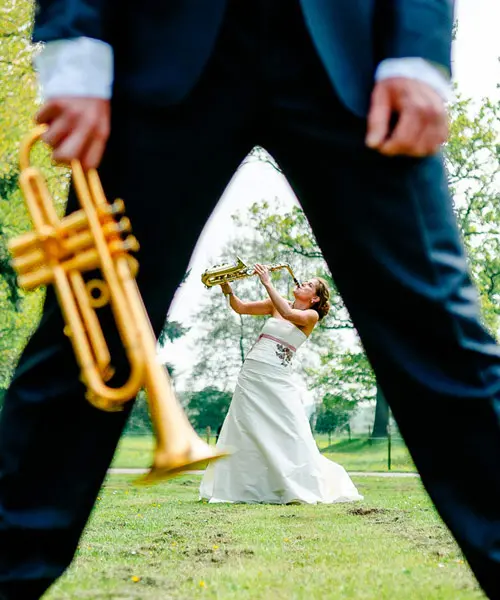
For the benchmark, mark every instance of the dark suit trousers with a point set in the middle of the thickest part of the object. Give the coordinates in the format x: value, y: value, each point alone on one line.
x: 387, y: 230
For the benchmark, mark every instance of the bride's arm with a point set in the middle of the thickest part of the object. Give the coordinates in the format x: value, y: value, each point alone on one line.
x: 261, y: 307
x: 302, y: 318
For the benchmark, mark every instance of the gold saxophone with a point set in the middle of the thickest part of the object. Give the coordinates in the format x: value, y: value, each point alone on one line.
x: 57, y: 252
x: 226, y: 273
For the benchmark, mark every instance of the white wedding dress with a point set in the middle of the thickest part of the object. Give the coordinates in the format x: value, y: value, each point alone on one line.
x: 274, y: 457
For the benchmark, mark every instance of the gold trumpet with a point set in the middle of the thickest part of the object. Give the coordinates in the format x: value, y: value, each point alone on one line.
x: 226, y: 273
x: 57, y: 252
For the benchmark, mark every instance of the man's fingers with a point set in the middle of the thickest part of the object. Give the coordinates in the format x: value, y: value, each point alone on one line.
x: 49, y: 111
x: 432, y: 142
x: 74, y: 145
x: 94, y: 151
x: 78, y: 128
x: 415, y: 135
x: 405, y: 135
x: 428, y: 143
x: 58, y: 130
x: 379, y: 117
x: 422, y: 120
x: 421, y: 128
x: 93, y: 155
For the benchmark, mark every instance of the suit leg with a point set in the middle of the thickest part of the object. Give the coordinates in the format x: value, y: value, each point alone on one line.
x: 388, y: 232
x: 170, y: 166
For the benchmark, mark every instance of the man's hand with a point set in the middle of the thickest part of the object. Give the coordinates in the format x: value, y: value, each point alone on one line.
x: 422, y: 121
x: 78, y: 128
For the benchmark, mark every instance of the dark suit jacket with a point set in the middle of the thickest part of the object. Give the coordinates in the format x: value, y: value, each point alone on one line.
x: 161, y: 46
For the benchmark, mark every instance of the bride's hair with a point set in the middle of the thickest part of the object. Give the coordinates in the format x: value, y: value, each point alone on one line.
x: 322, y: 307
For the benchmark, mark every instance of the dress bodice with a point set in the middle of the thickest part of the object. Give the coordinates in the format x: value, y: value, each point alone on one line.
x: 277, y: 343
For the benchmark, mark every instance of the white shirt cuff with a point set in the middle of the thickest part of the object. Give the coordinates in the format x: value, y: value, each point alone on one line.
x: 415, y: 68
x: 84, y: 67
x: 75, y: 67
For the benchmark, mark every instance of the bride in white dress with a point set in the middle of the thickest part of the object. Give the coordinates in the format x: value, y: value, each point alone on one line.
x: 274, y: 457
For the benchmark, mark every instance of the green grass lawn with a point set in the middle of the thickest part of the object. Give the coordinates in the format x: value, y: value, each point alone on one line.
x: 355, y: 455
x: 134, y: 452
x: 365, y: 455
x: 161, y: 543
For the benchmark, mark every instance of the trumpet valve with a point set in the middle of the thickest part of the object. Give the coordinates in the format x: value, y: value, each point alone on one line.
x: 113, y: 227
x: 116, y: 208
x: 124, y: 225
x: 130, y: 244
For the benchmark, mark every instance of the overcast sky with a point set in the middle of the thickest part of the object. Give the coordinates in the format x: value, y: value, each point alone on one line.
x: 476, y: 71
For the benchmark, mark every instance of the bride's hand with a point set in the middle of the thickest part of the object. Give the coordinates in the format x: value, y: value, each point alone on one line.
x: 263, y: 272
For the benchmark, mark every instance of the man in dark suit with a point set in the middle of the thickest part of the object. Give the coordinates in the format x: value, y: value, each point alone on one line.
x: 349, y: 98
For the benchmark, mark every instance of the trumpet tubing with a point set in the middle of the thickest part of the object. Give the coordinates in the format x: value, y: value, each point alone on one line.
x: 59, y: 252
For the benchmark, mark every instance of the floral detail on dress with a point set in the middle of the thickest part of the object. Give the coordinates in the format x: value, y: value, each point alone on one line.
x: 285, y: 354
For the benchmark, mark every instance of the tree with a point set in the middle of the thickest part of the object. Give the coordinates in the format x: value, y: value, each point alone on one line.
x: 326, y: 422
x: 208, y: 407
x: 334, y: 414
x: 19, y: 311
x: 18, y: 84
x: 172, y: 330
x: 472, y: 160
x: 382, y: 416
x: 345, y: 373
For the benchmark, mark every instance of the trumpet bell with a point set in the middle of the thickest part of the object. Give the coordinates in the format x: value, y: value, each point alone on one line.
x: 168, y: 463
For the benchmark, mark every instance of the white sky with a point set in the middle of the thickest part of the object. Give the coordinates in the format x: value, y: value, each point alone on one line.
x: 476, y: 71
